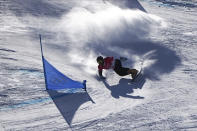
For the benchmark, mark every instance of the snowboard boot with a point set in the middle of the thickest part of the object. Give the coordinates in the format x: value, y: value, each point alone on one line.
x: 134, y: 73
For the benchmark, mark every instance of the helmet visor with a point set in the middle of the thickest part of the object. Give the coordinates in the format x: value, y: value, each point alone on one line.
x: 99, y: 62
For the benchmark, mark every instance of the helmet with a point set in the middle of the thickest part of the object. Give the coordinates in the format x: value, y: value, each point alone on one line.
x: 99, y: 58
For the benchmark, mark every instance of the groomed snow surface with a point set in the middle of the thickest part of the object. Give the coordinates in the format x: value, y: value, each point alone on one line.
x: 159, y: 36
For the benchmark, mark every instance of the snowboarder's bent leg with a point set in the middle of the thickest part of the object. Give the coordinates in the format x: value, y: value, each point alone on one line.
x: 122, y: 71
x: 133, y: 72
x: 118, y: 64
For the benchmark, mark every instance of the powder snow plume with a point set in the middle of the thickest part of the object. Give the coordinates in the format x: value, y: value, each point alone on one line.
x: 93, y: 31
x: 92, y: 28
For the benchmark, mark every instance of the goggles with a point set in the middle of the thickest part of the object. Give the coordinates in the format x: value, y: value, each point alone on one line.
x: 99, y: 61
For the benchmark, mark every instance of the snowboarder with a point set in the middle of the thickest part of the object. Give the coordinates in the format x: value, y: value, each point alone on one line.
x: 116, y: 65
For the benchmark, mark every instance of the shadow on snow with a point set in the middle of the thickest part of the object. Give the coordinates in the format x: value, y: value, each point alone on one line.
x: 131, y: 4
x: 68, y: 103
x: 123, y: 88
x: 177, y: 3
x: 36, y: 8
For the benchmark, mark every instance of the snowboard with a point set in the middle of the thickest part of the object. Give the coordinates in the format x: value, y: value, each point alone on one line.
x: 139, y: 80
x: 138, y: 75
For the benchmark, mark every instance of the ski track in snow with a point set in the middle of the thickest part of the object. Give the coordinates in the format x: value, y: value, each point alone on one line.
x: 167, y: 100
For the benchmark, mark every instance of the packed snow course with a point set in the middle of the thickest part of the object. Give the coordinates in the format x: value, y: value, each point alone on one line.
x: 158, y: 36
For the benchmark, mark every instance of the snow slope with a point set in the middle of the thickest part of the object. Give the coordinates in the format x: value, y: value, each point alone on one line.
x: 157, y: 35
